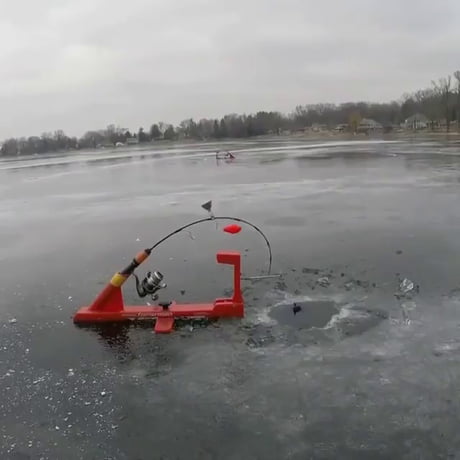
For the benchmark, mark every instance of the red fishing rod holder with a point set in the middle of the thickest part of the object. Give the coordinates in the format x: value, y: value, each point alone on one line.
x: 109, y: 307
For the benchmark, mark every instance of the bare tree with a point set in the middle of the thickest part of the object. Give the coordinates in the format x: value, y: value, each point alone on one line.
x: 353, y: 121
x: 457, y: 77
x: 443, y: 89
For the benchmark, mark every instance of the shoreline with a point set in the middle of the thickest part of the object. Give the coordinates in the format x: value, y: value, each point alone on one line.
x: 323, y: 136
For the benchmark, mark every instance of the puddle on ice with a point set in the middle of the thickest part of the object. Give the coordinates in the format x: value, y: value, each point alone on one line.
x: 307, y: 315
x: 294, y: 319
x: 324, y: 314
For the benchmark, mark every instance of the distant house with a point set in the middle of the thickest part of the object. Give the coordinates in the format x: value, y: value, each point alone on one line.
x: 317, y: 127
x: 367, y: 124
x: 416, y: 121
x: 132, y: 141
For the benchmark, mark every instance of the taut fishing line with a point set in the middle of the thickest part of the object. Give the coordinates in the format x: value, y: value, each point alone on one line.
x: 208, y: 207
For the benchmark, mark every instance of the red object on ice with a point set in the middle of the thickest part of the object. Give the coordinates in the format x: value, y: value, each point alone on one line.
x: 108, y: 307
x: 232, y: 228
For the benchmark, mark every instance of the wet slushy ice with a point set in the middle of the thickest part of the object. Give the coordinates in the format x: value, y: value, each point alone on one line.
x: 365, y: 235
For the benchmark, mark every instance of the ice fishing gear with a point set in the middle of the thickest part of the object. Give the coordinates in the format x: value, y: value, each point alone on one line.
x: 261, y: 277
x: 229, y: 229
x: 232, y: 228
x: 150, y: 284
x: 109, y: 306
x: 224, y: 155
x: 207, y: 206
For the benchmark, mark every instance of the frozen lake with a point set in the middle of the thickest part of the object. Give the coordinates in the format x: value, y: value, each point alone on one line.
x: 347, y: 221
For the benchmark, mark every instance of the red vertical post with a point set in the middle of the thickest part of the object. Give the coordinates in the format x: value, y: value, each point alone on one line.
x: 237, y: 295
x: 233, y: 258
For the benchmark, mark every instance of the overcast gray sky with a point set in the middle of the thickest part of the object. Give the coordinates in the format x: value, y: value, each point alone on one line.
x: 82, y: 64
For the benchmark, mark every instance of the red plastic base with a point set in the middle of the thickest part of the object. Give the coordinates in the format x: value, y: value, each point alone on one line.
x: 109, y: 306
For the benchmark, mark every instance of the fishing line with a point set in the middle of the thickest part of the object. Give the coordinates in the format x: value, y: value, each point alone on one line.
x: 210, y: 219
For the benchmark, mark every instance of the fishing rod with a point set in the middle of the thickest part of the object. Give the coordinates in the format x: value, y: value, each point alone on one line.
x: 212, y: 218
x: 109, y: 306
x: 153, y: 281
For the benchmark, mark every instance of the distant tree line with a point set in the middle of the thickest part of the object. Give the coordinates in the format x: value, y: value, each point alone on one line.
x: 440, y: 104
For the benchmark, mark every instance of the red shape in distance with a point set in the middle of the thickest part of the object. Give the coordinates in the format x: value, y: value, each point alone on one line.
x: 232, y: 228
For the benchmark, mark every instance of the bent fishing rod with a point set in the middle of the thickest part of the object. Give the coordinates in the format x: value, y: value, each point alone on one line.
x: 153, y: 281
